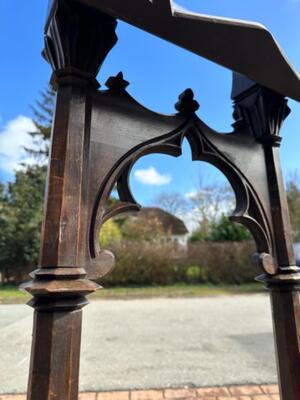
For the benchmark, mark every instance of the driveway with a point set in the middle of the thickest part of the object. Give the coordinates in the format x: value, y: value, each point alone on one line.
x: 155, y: 343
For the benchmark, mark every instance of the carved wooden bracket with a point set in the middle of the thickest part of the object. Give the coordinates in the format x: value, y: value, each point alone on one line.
x: 122, y: 131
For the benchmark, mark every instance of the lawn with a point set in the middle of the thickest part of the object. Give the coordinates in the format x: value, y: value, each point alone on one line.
x: 11, y: 294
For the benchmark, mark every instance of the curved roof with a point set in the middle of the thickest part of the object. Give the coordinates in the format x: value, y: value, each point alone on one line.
x: 170, y: 224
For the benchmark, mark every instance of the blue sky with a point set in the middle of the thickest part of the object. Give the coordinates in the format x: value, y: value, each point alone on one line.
x: 157, y: 71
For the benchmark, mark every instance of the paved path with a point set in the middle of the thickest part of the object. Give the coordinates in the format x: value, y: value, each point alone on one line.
x: 155, y: 343
x: 247, y: 392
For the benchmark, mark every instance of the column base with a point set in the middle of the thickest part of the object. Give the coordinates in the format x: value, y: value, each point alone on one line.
x: 285, y: 302
x: 58, y: 297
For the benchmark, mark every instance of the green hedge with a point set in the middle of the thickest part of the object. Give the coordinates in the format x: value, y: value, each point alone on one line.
x: 208, y: 262
x: 225, y: 262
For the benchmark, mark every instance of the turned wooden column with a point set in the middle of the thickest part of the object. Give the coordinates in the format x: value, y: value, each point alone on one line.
x: 77, y: 40
x: 264, y: 111
x: 284, y: 286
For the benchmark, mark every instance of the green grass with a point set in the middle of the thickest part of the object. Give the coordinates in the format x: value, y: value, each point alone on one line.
x: 11, y: 294
x: 178, y: 290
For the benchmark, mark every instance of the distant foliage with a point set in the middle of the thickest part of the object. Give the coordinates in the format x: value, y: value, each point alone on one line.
x: 208, y: 203
x: 110, y: 233
x: 225, y: 230
x: 20, y: 221
x: 222, y: 230
x: 172, y: 202
x: 145, y: 263
x: 293, y: 196
x: 43, y: 113
x: 142, y: 263
x: 21, y: 201
x: 224, y: 262
x: 198, y: 236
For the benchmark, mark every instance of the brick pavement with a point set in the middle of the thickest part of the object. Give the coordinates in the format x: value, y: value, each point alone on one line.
x: 248, y: 392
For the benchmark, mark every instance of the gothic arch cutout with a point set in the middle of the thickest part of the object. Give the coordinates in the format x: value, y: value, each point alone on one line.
x: 218, y: 149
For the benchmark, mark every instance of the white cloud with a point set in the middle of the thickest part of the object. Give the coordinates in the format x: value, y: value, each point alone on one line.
x: 150, y: 176
x: 191, y: 194
x: 13, y: 137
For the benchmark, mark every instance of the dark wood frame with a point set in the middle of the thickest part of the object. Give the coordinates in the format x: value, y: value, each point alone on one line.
x: 97, y: 136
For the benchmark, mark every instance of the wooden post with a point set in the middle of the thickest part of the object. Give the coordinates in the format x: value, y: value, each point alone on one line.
x: 76, y: 42
x: 284, y: 286
x: 265, y: 111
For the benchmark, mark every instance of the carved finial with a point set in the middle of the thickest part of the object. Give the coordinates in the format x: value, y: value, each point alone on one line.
x: 78, y: 38
x: 117, y: 83
x: 186, y: 103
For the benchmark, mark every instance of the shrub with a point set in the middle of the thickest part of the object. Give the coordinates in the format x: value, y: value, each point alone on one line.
x: 143, y: 263
x: 225, y: 262
x: 148, y: 263
x: 196, y: 274
x: 109, y: 233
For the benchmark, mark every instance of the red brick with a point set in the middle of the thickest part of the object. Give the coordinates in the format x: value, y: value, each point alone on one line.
x: 245, y: 390
x: 113, y: 396
x: 203, y: 398
x: 179, y: 393
x: 87, y: 396
x: 200, y: 398
x: 146, y: 395
x: 213, y: 392
x: 270, y: 389
x: 234, y: 398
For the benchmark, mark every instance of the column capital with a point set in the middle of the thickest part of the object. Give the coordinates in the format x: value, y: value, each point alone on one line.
x: 77, y: 40
x: 262, y: 109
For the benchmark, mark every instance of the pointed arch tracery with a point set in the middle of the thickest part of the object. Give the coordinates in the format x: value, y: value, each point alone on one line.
x: 148, y: 133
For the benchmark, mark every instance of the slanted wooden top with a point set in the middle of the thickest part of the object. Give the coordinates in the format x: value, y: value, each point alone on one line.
x: 242, y: 46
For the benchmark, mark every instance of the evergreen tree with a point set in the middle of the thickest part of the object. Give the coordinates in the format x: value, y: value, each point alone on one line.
x: 20, y: 222
x: 222, y: 230
x: 21, y: 201
x: 42, y: 119
x: 293, y: 197
x: 225, y: 230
